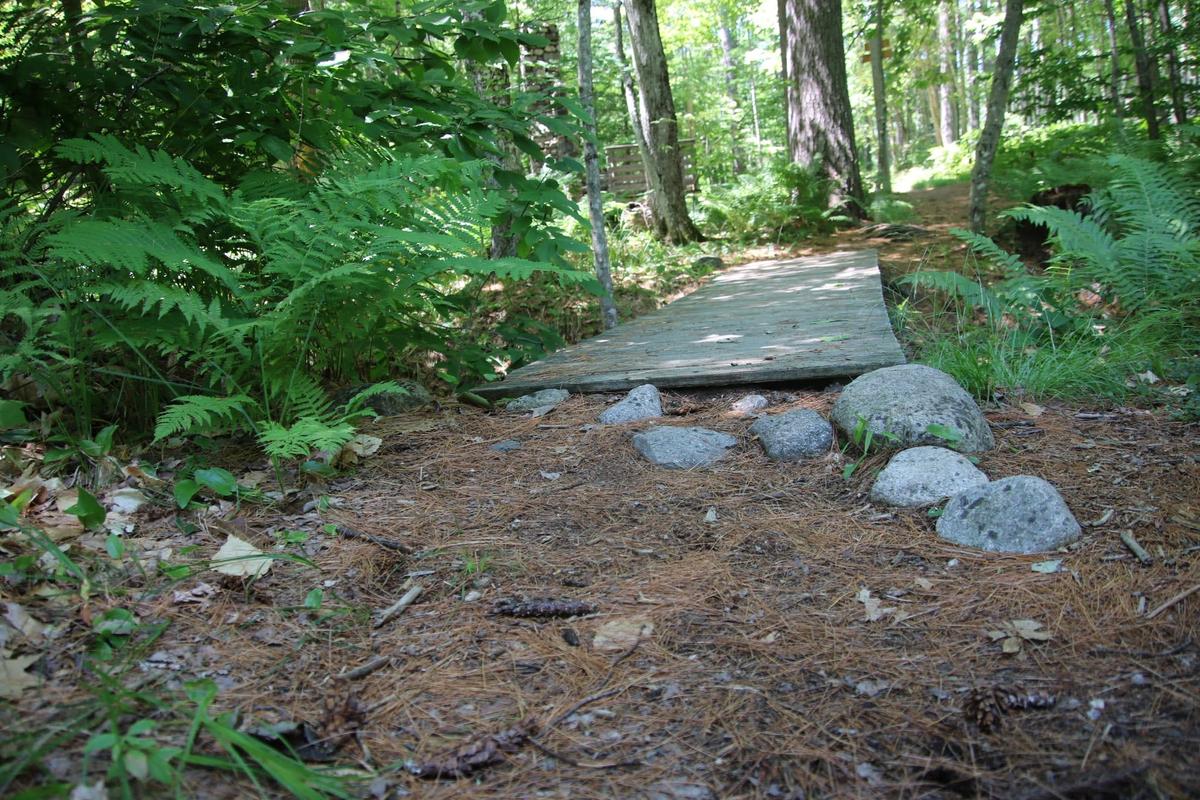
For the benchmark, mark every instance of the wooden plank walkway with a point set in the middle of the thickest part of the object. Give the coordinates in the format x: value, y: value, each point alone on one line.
x: 770, y: 321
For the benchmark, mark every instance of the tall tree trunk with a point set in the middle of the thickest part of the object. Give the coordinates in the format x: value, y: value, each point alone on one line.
x: 1114, y: 49
x: 727, y: 61
x: 880, y: 90
x: 592, y: 167
x: 970, y: 74
x: 668, y: 200
x: 757, y: 121
x: 632, y: 103
x: 989, y: 137
x: 820, y: 124
x: 1167, y: 30
x: 946, y: 75
x: 1145, y: 75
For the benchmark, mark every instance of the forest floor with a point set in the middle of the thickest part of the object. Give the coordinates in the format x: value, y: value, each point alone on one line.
x: 759, y: 629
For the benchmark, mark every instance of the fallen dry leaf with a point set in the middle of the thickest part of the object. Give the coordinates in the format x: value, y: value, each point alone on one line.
x: 240, y: 559
x: 126, y: 500
x: 623, y: 633
x: 20, y: 619
x: 14, y: 679
x: 1033, y: 409
x: 873, y: 607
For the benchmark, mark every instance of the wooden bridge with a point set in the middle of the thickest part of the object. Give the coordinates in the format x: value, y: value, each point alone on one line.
x: 819, y: 317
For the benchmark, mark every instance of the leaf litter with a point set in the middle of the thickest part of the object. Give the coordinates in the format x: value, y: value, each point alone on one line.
x: 718, y: 641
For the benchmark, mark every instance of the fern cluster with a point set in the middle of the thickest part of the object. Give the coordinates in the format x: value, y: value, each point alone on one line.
x: 1136, y: 254
x: 238, y: 306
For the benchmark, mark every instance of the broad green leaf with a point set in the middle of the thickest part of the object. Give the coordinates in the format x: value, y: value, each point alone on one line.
x: 184, y: 491
x: 221, y: 481
x: 11, y: 415
x: 87, y: 509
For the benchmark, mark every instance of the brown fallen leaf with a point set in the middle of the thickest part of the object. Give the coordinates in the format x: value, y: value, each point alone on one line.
x: 14, y: 679
x: 623, y: 633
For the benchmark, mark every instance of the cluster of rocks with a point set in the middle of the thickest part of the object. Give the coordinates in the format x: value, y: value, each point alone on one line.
x: 913, y: 407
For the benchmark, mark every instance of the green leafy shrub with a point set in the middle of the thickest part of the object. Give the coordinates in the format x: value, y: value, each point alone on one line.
x: 1120, y: 294
x: 784, y: 203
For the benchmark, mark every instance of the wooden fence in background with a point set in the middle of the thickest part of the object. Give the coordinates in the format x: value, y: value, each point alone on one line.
x: 626, y: 178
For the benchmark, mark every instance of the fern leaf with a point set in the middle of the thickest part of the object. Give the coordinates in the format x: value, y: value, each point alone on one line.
x: 303, y: 437
x: 973, y: 293
x: 196, y: 413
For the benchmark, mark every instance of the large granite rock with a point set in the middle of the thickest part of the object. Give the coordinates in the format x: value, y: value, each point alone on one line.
x: 794, y: 435
x: 545, y: 399
x: 1022, y: 514
x: 923, y: 476
x: 682, y: 448
x: 411, y: 397
x: 905, y: 401
x: 642, y: 402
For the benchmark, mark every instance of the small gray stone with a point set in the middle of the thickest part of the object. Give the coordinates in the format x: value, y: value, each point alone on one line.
x: 749, y: 404
x: 708, y: 262
x: 642, y: 402
x: 923, y: 476
x: 682, y: 448
x: 905, y: 400
x: 1022, y: 514
x: 543, y: 399
x: 507, y: 446
x: 794, y: 435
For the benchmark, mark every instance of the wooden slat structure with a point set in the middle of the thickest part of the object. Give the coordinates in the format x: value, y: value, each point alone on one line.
x: 771, y: 321
x: 626, y: 176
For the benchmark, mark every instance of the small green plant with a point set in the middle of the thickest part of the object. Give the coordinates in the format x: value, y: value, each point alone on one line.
x: 476, y: 565
x: 863, y: 437
x: 134, y: 754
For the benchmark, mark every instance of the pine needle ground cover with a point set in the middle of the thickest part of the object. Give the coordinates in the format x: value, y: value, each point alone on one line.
x: 796, y: 642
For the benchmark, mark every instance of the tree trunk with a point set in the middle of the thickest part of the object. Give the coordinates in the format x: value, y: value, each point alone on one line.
x: 971, y: 72
x: 820, y: 125
x: 731, y: 92
x: 1145, y: 76
x: 592, y: 167
x: 1167, y: 30
x: 632, y: 103
x: 1114, y: 49
x: 989, y: 137
x: 946, y: 75
x: 880, y: 90
x: 668, y: 200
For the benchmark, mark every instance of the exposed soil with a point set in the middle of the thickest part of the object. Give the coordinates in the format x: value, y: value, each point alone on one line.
x: 760, y: 672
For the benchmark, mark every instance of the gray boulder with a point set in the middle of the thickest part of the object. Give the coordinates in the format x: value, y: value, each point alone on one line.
x: 506, y: 446
x: 1022, y: 514
x: 411, y: 397
x: 682, y: 448
x: 794, y: 435
x: 642, y: 402
x: 923, y: 476
x: 708, y: 263
x: 749, y: 404
x: 905, y: 400
x: 546, y: 398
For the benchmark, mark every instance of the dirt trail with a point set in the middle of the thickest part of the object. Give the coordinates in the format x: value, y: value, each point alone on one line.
x: 763, y: 671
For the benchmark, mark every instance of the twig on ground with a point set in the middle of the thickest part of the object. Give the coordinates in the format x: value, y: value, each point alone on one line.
x: 1174, y: 651
x: 396, y: 608
x: 364, y: 670
x: 1186, y: 593
x: 1135, y: 548
x: 390, y: 544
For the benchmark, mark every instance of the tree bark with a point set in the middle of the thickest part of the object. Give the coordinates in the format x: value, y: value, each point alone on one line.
x: 1114, y: 88
x: 946, y: 75
x: 820, y: 125
x: 591, y: 165
x: 1145, y: 75
x: 668, y: 200
x: 1167, y: 30
x: 989, y: 137
x: 971, y: 71
x: 632, y: 102
x: 731, y: 92
x: 880, y: 89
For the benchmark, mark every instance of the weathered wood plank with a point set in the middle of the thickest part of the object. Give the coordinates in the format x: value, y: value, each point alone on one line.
x: 808, y: 318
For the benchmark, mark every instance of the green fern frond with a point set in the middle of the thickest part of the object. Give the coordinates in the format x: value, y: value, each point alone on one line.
x: 303, y: 437
x: 142, y: 167
x: 357, y: 404
x: 973, y: 293
x: 987, y: 249
x: 148, y: 297
x: 197, y: 413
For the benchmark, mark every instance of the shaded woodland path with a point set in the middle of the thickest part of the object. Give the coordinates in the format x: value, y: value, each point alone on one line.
x: 795, y: 641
